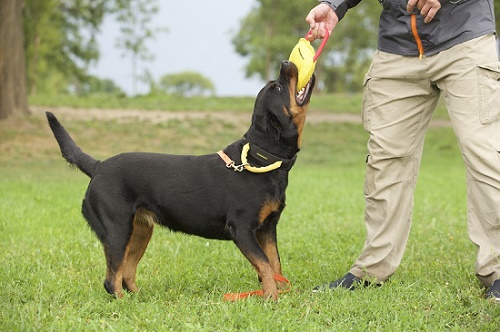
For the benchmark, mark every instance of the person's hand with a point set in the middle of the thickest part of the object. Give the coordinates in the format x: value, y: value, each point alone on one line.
x: 321, y: 18
x: 428, y: 8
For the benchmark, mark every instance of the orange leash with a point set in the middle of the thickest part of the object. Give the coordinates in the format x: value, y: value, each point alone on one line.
x: 416, y: 36
x: 260, y: 292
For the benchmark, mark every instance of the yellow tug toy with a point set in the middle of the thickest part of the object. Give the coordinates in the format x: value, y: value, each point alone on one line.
x: 304, y: 57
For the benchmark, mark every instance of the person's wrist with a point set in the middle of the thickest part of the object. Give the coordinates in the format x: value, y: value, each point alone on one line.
x: 339, y: 7
x: 334, y: 4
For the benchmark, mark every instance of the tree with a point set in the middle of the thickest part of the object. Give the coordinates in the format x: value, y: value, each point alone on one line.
x: 135, y: 19
x: 60, y: 42
x: 95, y: 85
x: 186, y: 84
x: 13, y: 97
x: 268, y: 34
x: 49, y: 41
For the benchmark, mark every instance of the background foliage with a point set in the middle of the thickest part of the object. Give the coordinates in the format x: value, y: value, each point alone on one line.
x: 270, y: 30
x: 60, y: 42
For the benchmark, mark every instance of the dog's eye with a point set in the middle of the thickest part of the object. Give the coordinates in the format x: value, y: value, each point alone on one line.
x: 278, y: 87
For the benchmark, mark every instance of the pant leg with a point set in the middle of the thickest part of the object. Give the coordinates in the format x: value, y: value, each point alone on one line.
x: 469, y: 77
x: 398, y: 103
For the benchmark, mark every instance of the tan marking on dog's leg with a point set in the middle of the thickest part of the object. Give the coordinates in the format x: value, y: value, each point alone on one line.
x: 266, y: 242
x: 271, y: 251
x: 142, y: 232
x: 268, y: 283
x: 113, y: 282
x: 266, y: 209
x: 117, y: 284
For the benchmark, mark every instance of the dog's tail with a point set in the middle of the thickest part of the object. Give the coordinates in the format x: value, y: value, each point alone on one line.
x: 70, y: 151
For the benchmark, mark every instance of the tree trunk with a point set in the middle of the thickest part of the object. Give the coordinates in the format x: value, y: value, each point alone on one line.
x: 13, y: 97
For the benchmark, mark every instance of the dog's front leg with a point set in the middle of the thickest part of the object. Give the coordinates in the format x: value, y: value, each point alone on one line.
x: 267, y: 238
x: 246, y: 241
x: 266, y: 235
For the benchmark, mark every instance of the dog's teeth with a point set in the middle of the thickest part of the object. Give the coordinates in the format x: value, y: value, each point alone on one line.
x: 301, y: 94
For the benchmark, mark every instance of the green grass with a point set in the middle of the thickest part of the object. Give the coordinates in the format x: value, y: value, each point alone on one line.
x: 332, y: 103
x: 52, y: 266
x: 156, y: 102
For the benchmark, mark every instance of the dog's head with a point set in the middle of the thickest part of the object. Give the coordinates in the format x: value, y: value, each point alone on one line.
x: 280, y: 112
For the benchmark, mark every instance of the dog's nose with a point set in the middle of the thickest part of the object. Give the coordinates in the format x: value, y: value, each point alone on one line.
x: 287, y: 68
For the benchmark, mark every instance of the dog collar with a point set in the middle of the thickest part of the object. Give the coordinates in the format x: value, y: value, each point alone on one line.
x: 258, y: 153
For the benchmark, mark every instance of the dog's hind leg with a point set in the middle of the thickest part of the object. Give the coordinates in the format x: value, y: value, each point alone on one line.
x: 114, y: 237
x: 142, y: 231
x: 116, y: 247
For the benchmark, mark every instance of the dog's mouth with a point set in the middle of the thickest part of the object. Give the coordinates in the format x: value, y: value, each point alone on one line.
x: 304, y: 94
x: 290, y: 72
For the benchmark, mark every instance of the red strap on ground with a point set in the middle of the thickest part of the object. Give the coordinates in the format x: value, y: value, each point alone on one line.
x: 260, y: 292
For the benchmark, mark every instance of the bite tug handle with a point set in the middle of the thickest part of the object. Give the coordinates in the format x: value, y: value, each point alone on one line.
x: 322, y: 46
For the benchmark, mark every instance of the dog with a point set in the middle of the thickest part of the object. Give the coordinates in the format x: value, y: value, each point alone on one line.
x: 235, y: 194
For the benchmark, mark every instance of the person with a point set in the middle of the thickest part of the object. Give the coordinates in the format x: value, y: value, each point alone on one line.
x: 426, y: 49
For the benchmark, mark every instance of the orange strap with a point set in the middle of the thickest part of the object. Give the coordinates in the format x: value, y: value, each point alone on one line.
x: 260, y: 292
x: 416, y: 36
x: 225, y: 158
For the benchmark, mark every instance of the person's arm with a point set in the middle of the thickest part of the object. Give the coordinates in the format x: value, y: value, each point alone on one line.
x: 326, y: 15
x: 340, y: 7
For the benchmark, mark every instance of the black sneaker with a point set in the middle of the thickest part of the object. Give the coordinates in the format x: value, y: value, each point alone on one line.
x: 349, y: 281
x: 493, y: 292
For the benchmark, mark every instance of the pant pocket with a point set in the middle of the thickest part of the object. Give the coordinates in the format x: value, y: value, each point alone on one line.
x: 489, y: 92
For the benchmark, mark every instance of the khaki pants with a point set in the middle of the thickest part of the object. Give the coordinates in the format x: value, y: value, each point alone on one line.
x: 400, y: 96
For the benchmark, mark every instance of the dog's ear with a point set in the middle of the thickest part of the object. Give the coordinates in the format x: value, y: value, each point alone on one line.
x: 275, y: 123
x: 277, y: 117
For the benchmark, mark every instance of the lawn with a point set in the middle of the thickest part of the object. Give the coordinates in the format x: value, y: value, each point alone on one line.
x: 332, y: 103
x: 52, y: 266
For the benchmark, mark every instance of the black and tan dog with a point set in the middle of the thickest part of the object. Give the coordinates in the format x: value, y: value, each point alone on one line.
x: 236, y: 194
